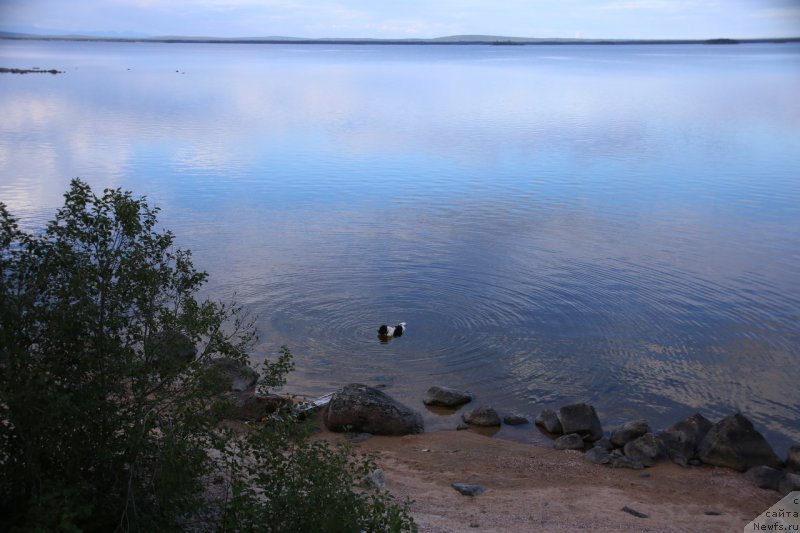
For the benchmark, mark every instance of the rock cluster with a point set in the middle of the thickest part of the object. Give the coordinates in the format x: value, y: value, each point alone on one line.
x: 480, y: 416
x: 732, y: 442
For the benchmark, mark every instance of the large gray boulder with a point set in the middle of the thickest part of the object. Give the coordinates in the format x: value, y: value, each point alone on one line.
x: 647, y: 449
x: 362, y: 409
x: 628, y: 432
x: 734, y: 443
x: 482, y: 416
x: 446, y: 397
x: 581, y: 418
x: 683, y: 438
x: 548, y: 419
x: 793, y: 459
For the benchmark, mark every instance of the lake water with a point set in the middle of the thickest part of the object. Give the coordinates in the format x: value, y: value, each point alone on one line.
x: 617, y: 224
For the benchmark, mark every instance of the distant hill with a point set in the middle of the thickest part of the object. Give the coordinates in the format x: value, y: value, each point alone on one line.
x: 447, y: 40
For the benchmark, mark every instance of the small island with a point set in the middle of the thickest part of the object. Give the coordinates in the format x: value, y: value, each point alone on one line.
x: 4, y: 70
x: 721, y: 41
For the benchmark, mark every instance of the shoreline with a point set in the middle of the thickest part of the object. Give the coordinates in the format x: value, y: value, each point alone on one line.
x: 445, y: 41
x: 530, y: 487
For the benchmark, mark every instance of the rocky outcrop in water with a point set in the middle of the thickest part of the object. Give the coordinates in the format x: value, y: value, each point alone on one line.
x: 515, y: 419
x: 363, y: 409
x: 446, y: 397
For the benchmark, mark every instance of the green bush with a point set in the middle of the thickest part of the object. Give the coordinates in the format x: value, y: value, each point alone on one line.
x: 107, y: 415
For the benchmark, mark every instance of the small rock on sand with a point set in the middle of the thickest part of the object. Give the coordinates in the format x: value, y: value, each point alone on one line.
x: 467, y: 489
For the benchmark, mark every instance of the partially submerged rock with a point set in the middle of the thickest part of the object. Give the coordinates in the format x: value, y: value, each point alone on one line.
x: 482, y: 416
x: 363, y: 409
x: 446, y: 397
x: 581, y: 418
x: 734, y: 443
x: 548, y: 419
x: 515, y: 419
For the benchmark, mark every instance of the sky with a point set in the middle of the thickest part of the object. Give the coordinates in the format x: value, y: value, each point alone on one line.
x: 593, y: 19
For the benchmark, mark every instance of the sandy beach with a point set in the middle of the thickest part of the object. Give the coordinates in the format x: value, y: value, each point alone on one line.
x: 533, y: 488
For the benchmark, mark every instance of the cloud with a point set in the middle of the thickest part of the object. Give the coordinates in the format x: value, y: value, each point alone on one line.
x: 656, y: 5
x: 778, y: 13
x: 660, y: 5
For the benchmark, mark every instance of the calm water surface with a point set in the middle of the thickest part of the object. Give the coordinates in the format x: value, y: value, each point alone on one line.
x: 619, y: 225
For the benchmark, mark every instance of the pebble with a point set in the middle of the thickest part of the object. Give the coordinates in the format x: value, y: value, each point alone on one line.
x: 467, y: 489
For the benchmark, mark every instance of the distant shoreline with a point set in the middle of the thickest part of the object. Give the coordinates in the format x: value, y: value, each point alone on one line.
x: 4, y: 70
x: 446, y: 41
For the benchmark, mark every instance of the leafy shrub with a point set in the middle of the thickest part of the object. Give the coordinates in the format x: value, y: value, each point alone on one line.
x: 107, y: 415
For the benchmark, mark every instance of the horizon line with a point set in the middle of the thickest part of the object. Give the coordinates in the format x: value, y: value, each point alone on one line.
x: 458, y: 38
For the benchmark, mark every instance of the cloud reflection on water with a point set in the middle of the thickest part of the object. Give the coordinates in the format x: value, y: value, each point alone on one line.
x: 611, y: 227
